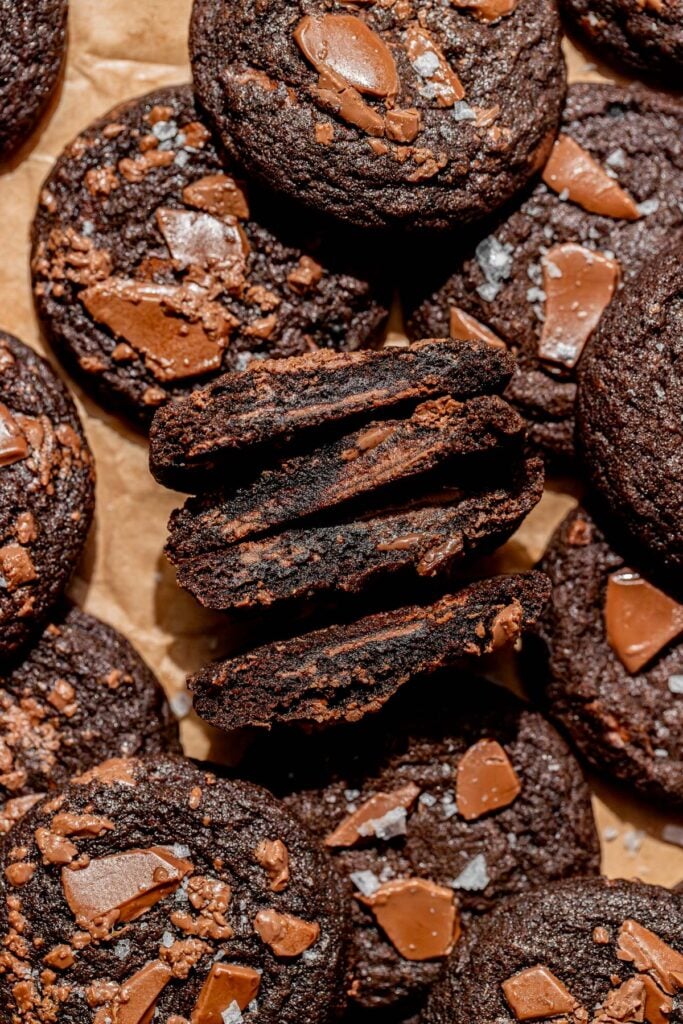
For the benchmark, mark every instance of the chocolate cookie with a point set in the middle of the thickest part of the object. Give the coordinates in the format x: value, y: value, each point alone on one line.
x: 614, y: 642
x: 154, y: 268
x: 577, y: 951
x: 630, y: 410
x: 272, y: 404
x: 644, y: 35
x: 542, y: 275
x: 47, y: 490
x: 32, y: 45
x: 80, y: 696
x: 341, y: 673
x: 411, y: 114
x: 453, y: 797
x: 152, y: 887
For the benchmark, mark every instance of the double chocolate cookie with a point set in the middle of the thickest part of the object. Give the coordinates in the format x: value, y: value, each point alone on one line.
x: 80, y: 696
x: 152, y: 888
x: 614, y: 643
x: 630, y: 410
x: 409, y: 114
x: 645, y: 36
x: 32, y: 45
x: 451, y: 798
x: 155, y: 269
x: 341, y: 673
x: 580, y: 951
x: 540, y: 278
x: 47, y: 492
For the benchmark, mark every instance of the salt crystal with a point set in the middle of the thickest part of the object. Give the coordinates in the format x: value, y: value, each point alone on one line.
x: 552, y: 269
x: 426, y: 64
x: 462, y: 111
x: 393, y: 823
x: 474, y: 877
x: 633, y: 840
x: 181, y: 704
x: 661, y: 752
x: 428, y: 799
x: 233, y: 1014
x: 647, y: 207
x: 366, y: 881
x: 122, y: 949
x: 675, y: 684
x: 167, y: 940
x: 609, y: 834
x: 165, y: 130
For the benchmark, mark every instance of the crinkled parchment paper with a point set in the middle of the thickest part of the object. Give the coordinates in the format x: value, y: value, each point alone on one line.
x: 119, y: 49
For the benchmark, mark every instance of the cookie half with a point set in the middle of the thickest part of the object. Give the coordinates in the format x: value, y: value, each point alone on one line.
x: 453, y: 797
x: 155, y: 268
x: 81, y: 695
x: 645, y: 37
x: 630, y: 410
x: 32, y: 47
x: 341, y: 673
x: 581, y: 950
x: 614, y: 642
x: 411, y: 115
x: 541, y: 277
x: 47, y: 491
x: 154, y: 887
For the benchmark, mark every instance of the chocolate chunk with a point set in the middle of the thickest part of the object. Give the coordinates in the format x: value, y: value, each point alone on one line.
x: 648, y: 952
x: 445, y: 85
x: 128, y: 883
x: 488, y: 10
x: 465, y: 327
x: 136, y: 1000
x: 426, y: 537
x: 363, y: 821
x: 536, y: 994
x: 344, y: 45
x: 572, y: 171
x: 286, y: 935
x: 372, y: 458
x: 579, y: 285
x: 47, y: 494
x: 485, y: 780
x: 344, y: 672
x: 273, y: 856
x: 419, y: 917
x: 640, y: 619
x: 274, y: 402
x: 226, y: 984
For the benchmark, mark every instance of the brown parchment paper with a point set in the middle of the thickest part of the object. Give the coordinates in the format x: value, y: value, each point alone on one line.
x: 120, y: 49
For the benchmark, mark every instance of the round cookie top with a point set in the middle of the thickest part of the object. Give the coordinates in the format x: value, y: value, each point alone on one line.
x: 32, y: 45
x: 646, y: 37
x: 47, y: 490
x: 81, y: 695
x: 630, y: 409
x: 406, y: 114
x: 612, y: 193
x: 615, y: 655
x: 584, y: 951
x: 455, y: 796
x: 155, y: 269
x: 154, y: 887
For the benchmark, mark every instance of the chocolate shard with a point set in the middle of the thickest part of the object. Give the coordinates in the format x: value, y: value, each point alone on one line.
x: 344, y: 672
x: 274, y: 401
x: 301, y: 563
x: 372, y: 458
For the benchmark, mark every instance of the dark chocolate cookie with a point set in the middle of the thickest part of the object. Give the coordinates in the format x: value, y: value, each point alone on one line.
x: 273, y: 403
x: 413, y: 114
x: 154, y: 886
x: 576, y: 951
x: 452, y: 797
x: 32, y: 44
x: 81, y: 695
x: 542, y: 275
x: 645, y: 36
x: 630, y: 410
x: 47, y: 490
x: 342, y: 672
x: 615, y: 660
x: 154, y: 269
